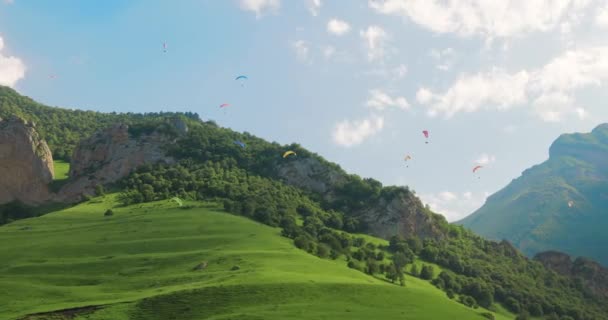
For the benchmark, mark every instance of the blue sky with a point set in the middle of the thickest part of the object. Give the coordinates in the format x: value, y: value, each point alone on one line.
x: 355, y: 81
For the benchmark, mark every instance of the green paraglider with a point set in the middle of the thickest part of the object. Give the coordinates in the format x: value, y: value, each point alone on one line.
x: 178, y: 201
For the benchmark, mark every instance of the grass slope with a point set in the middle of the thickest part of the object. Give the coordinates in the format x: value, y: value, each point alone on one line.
x: 145, y: 256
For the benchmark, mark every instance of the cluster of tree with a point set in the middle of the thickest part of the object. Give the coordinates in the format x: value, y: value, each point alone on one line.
x: 481, y: 272
x: 64, y: 128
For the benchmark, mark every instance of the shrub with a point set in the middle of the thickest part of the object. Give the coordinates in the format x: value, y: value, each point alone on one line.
x: 487, y: 315
x: 108, y: 213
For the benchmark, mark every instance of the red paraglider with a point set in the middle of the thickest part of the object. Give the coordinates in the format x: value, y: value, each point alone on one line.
x: 426, y: 135
x: 477, y: 168
x: 223, y: 105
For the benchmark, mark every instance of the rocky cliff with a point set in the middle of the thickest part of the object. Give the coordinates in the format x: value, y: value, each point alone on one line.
x: 398, y: 213
x: 26, y: 163
x: 110, y: 155
x: 593, y: 276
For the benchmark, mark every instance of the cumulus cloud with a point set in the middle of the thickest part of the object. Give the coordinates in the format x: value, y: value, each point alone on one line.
x: 375, y: 39
x: 380, y: 100
x: 350, y: 133
x: 261, y: 6
x: 424, y: 96
x: 485, y: 159
x: 601, y: 18
x: 469, y: 93
x: 12, y: 69
x: 338, y: 27
x: 314, y: 6
x: 550, y: 88
x: 302, y: 50
x: 452, y: 205
x: 489, y: 19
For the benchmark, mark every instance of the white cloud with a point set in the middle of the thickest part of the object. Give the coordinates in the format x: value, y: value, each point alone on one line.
x: 574, y: 69
x: 447, y: 196
x: 302, y: 50
x: 453, y: 206
x: 489, y: 19
x: 375, y: 40
x: 314, y: 6
x: 380, y: 100
x: 350, y: 133
x: 601, y: 19
x: 12, y: 69
x: 551, y: 88
x: 424, y: 96
x: 485, y: 159
x: 261, y: 6
x: 551, y: 107
x: 496, y: 89
x: 338, y: 27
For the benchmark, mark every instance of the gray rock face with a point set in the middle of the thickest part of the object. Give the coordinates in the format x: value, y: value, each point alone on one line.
x: 401, y: 214
x: 311, y: 175
x: 108, y: 156
x: 593, y: 276
x: 26, y: 163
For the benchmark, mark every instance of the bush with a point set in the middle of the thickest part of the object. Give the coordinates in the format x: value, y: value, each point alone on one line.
x: 487, y: 315
x: 108, y: 213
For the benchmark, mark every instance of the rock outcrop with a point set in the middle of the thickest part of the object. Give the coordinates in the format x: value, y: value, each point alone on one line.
x: 26, y: 163
x: 110, y: 155
x: 401, y: 213
x: 593, y: 276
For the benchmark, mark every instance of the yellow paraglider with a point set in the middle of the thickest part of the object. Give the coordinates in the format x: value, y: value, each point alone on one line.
x: 407, y: 158
x: 288, y: 153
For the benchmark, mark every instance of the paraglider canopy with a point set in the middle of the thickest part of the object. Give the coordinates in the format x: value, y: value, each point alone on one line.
x: 407, y: 157
x: 241, y: 78
x: 476, y: 168
x: 288, y: 153
x: 178, y: 201
x: 223, y: 105
x: 426, y: 135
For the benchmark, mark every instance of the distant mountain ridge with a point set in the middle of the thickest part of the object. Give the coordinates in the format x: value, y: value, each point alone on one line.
x: 561, y: 204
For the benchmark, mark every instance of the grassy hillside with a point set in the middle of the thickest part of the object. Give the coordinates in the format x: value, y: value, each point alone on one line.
x: 557, y: 205
x: 144, y: 255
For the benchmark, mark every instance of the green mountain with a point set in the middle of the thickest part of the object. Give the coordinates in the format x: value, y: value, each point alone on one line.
x: 164, y: 216
x: 560, y: 204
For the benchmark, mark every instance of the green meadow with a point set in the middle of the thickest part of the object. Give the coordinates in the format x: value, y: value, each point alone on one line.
x: 141, y: 263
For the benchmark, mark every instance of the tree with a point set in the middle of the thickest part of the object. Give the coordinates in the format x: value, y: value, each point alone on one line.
x: 99, y: 190
x: 427, y: 272
x: 323, y: 250
x: 414, y: 270
x: 513, y: 305
x: 523, y: 316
